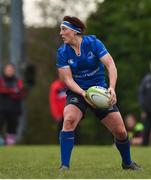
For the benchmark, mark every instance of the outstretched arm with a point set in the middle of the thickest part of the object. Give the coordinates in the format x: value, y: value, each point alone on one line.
x: 66, y: 76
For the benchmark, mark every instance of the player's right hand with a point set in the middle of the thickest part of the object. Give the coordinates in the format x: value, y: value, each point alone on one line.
x: 84, y: 94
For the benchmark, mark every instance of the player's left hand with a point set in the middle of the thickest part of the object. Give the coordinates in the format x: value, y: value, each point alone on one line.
x: 113, y: 99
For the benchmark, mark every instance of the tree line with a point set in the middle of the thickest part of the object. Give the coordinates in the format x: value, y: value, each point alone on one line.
x: 124, y: 27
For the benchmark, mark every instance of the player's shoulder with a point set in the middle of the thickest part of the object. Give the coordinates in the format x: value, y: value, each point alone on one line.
x: 63, y: 48
x: 92, y: 39
x: 89, y: 38
x: 55, y: 84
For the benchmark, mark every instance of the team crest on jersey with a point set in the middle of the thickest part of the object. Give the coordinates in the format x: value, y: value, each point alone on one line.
x: 71, y: 61
x: 90, y: 54
x: 74, y: 100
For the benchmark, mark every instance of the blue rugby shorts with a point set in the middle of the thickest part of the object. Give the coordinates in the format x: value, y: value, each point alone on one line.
x: 79, y: 102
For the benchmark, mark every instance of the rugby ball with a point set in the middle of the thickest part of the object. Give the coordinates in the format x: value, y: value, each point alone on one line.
x: 99, y: 96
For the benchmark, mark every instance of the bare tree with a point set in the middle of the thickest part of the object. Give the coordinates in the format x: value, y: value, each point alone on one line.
x: 52, y: 11
x: 4, y: 7
x: 1, y: 42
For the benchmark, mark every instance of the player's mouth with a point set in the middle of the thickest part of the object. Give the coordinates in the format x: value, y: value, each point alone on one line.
x: 63, y: 38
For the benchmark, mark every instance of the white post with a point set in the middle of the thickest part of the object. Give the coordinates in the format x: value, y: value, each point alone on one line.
x: 17, y: 35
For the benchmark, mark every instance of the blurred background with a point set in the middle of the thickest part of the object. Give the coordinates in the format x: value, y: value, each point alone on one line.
x: 29, y: 38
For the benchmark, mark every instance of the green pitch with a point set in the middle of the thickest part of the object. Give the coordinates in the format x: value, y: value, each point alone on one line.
x: 95, y: 162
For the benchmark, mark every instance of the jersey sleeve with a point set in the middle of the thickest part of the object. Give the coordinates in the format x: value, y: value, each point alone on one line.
x: 100, y: 49
x: 61, y: 60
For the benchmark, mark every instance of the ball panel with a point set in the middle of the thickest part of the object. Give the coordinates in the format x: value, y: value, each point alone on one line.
x: 100, y: 90
x: 99, y: 96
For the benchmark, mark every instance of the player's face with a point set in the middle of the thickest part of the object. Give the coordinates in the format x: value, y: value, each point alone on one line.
x: 67, y: 35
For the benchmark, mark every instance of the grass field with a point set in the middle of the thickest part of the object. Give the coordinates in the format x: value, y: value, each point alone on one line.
x: 95, y: 162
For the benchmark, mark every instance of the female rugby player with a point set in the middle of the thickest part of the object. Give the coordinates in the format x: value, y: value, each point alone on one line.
x: 81, y: 61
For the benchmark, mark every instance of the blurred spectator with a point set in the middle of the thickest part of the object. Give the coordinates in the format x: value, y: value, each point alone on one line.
x: 134, y: 129
x: 11, y: 96
x: 57, y: 100
x: 145, y: 102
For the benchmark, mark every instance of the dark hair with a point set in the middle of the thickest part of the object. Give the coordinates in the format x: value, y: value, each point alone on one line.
x: 76, y: 22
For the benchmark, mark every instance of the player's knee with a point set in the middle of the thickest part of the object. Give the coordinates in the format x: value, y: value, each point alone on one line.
x: 69, y: 123
x: 121, y: 134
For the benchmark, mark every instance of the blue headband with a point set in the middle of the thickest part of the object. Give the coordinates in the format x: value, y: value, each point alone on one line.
x: 70, y: 26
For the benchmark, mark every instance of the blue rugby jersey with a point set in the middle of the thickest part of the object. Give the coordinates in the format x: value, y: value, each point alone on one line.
x: 87, y: 69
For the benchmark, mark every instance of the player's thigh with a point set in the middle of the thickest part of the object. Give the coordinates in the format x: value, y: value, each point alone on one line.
x: 114, y: 122
x: 73, y: 112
